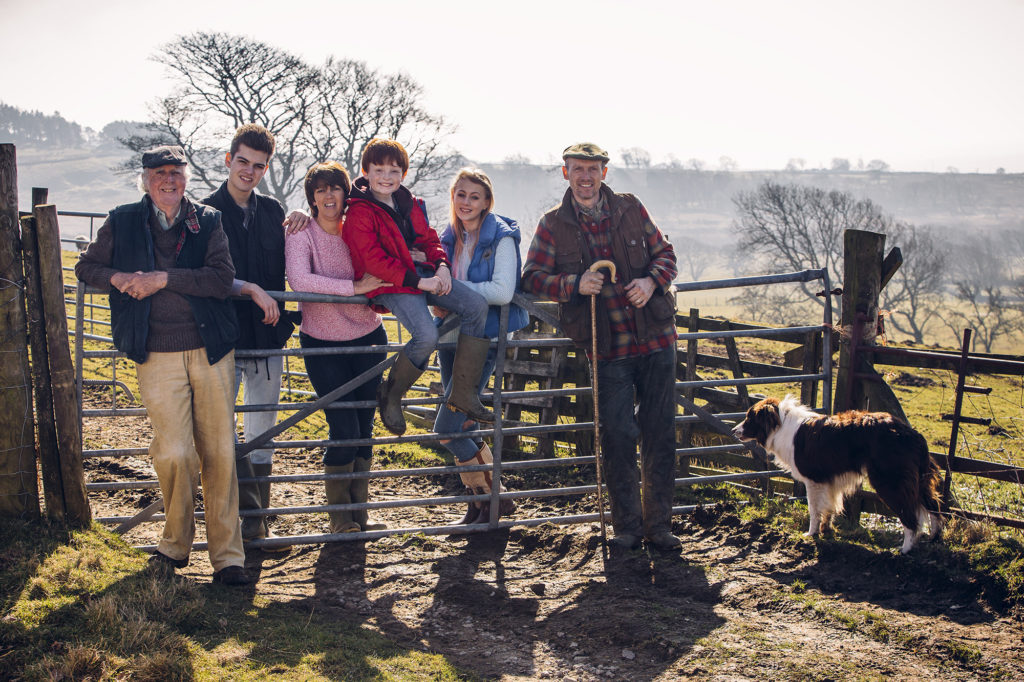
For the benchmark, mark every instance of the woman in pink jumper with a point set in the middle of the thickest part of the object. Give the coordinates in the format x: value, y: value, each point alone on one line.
x: 318, y: 261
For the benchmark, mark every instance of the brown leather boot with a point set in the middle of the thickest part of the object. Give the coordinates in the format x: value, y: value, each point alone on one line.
x: 480, y: 483
x: 472, y: 510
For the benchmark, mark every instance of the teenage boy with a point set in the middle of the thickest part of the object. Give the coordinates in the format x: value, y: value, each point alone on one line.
x: 253, y: 224
x: 387, y: 232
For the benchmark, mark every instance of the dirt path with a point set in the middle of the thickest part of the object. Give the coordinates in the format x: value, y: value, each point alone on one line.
x: 740, y: 601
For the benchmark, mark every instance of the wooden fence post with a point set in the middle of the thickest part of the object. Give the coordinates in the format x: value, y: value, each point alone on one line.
x: 19, y: 491
x: 49, y: 458
x: 862, y: 282
x: 66, y: 414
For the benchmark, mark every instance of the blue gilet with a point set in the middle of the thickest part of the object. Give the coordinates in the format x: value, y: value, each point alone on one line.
x: 481, y: 268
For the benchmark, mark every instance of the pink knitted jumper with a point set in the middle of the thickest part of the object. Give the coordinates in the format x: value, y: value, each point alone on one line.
x: 318, y: 262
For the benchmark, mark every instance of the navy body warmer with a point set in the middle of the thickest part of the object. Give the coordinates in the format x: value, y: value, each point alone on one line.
x: 133, y: 252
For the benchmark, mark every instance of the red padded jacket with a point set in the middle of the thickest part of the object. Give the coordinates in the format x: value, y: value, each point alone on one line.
x: 377, y: 244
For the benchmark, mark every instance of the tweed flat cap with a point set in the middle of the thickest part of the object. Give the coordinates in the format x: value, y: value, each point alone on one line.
x: 167, y: 155
x: 585, y: 150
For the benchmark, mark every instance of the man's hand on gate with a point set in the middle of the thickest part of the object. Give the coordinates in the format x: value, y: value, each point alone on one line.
x: 271, y: 313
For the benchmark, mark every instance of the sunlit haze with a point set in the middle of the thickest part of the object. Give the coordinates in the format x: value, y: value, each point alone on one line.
x: 922, y: 85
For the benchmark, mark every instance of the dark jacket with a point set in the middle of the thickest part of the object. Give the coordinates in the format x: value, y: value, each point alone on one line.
x: 631, y: 257
x: 133, y: 251
x: 258, y: 256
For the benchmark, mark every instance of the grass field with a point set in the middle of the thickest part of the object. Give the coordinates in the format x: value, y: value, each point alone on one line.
x: 84, y: 605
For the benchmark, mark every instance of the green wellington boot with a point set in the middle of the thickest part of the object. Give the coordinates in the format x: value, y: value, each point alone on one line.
x: 253, y: 527
x: 360, y: 492
x: 262, y: 470
x: 470, y: 356
x: 403, y: 374
x: 340, y: 492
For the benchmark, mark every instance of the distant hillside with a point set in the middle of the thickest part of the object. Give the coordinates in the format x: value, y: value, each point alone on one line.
x: 687, y: 204
x: 698, y: 204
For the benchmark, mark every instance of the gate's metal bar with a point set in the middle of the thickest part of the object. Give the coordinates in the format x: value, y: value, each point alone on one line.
x: 799, y: 276
x: 467, y: 529
x: 417, y: 438
x: 496, y: 455
x: 558, y: 392
x: 455, y: 499
x: 143, y: 516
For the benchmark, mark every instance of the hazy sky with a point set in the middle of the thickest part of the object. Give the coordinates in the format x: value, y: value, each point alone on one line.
x: 921, y: 84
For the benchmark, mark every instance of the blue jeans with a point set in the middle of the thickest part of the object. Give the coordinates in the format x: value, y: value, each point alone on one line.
x: 411, y: 310
x: 652, y: 379
x: 328, y: 372
x: 451, y: 421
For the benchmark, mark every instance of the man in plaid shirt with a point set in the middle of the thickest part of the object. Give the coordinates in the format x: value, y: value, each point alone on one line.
x: 636, y: 334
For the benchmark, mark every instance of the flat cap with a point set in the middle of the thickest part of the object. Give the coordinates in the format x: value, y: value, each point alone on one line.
x: 167, y: 155
x: 585, y: 150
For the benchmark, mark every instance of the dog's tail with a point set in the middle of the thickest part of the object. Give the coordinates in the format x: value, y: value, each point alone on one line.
x: 931, y: 485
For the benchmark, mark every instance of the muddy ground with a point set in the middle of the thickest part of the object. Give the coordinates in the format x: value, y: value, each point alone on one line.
x: 741, y: 601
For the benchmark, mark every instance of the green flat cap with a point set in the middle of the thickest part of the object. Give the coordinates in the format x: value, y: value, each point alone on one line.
x: 167, y: 155
x: 585, y: 150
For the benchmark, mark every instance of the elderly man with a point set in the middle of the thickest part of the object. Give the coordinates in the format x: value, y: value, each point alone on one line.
x: 636, y: 334
x: 168, y: 268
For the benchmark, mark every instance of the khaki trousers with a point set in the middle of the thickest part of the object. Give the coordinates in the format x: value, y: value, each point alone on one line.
x: 191, y: 406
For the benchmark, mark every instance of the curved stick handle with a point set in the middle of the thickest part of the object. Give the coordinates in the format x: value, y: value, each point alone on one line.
x: 604, y: 264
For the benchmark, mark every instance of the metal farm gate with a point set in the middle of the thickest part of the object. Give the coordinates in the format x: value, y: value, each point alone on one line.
x: 86, y: 319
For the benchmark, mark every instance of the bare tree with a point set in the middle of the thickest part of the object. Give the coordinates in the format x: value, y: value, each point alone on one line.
x: 635, y: 157
x: 914, y: 294
x: 793, y: 227
x: 517, y: 159
x: 356, y: 103
x: 840, y: 165
x: 695, y: 258
x: 878, y: 166
x: 316, y: 113
x: 727, y: 164
x: 795, y: 164
x: 981, y: 286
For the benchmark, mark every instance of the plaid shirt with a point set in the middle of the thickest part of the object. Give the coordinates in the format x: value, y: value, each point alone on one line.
x: 541, y: 278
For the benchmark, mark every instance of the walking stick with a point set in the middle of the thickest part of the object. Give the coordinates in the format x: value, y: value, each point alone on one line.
x: 597, y: 412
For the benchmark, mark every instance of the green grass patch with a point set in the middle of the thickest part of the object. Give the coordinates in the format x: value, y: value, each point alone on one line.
x: 970, y: 553
x: 83, y: 605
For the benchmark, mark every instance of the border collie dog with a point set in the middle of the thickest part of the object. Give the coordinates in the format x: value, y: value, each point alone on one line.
x: 832, y: 455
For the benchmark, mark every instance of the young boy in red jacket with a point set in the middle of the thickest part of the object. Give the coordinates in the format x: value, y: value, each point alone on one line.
x: 386, y: 230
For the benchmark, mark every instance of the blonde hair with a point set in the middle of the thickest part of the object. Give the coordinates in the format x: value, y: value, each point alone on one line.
x: 477, y: 176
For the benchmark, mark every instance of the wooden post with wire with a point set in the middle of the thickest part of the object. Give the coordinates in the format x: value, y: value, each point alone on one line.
x: 19, y: 490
